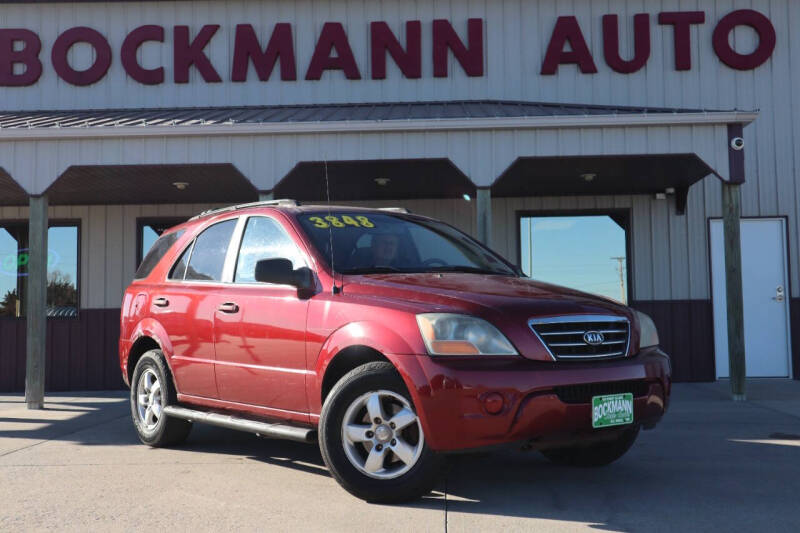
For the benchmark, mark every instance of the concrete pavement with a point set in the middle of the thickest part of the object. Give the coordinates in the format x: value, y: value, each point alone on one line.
x: 711, y: 465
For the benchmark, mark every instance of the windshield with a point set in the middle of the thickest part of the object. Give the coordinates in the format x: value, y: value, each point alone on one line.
x: 371, y: 243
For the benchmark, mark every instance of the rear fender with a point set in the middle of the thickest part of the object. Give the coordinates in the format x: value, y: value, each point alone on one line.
x: 150, y: 327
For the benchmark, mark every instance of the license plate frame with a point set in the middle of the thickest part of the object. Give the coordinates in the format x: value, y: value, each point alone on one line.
x: 611, y: 410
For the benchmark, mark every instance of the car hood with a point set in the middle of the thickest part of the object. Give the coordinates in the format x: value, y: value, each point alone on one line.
x: 505, y: 301
x: 468, y: 291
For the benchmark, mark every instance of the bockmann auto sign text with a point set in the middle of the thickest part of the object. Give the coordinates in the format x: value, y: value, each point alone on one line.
x: 24, y: 55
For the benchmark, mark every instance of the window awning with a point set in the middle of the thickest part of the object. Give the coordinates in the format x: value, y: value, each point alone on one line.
x: 525, y: 144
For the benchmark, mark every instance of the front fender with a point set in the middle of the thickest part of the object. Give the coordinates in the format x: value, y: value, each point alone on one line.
x: 377, y: 336
x: 373, y: 335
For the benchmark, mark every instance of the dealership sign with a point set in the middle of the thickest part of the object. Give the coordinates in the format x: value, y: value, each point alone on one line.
x: 22, y: 59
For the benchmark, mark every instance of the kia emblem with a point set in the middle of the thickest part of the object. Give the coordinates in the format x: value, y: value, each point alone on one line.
x: 593, y: 338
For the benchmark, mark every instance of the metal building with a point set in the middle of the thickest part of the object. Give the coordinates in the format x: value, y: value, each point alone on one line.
x: 121, y: 118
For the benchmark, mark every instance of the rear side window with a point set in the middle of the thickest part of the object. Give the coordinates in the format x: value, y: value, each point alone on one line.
x: 179, y: 270
x: 156, y: 253
x: 208, y: 253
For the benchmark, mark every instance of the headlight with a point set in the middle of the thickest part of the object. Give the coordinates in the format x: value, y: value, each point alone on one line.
x: 648, y: 335
x: 450, y: 334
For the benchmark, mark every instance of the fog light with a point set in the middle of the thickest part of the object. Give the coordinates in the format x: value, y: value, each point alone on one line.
x: 493, y: 403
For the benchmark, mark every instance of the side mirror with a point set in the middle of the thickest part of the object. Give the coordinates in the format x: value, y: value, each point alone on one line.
x: 281, y: 272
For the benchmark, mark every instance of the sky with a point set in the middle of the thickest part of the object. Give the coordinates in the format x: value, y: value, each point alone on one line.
x: 575, y: 252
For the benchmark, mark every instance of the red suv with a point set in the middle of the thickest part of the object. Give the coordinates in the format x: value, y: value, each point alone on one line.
x: 390, y: 338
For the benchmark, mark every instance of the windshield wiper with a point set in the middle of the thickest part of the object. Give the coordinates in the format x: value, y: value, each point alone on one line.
x: 467, y: 269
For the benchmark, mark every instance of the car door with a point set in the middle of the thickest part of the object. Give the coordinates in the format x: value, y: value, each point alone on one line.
x: 185, y: 306
x: 260, y: 328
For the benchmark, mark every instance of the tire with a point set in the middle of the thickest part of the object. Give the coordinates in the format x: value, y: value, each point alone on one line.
x: 403, y: 467
x: 152, y: 386
x: 600, y: 454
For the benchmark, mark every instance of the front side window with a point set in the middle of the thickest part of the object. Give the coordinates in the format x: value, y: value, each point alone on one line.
x: 62, y: 269
x: 264, y: 238
x: 366, y: 242
x: 208, y: 254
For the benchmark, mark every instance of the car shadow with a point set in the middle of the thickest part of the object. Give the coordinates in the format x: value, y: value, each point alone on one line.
x: 683, y: 476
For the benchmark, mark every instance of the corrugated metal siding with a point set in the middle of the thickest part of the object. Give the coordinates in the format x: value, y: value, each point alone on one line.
x: 483, y: 155
x: 517, y: 34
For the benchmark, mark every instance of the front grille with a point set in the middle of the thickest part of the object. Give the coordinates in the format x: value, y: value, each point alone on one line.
x: 584, y: 393
x: 565, y: 337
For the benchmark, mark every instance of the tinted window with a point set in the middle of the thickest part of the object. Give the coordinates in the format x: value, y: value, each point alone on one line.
x: 150, y: 230
x: 208, y: 255
x: 179, y: 270
x: 156, y: 253
x: 264, y: 238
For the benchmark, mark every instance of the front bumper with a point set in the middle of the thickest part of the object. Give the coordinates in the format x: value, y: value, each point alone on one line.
x: 540, y: 401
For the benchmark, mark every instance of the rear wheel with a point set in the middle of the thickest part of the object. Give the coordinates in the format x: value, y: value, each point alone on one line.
x: 372, y: 440
x: 599, y: 454
x: 151, y: 391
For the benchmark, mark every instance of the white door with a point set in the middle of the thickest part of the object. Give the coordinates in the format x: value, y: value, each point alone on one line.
x: 766, y: 298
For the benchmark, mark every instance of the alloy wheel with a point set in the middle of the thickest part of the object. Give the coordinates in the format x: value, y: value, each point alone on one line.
x: 149, y: 400
x: 382, y: 435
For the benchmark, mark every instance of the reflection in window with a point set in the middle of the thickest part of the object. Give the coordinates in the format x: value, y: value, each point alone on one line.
x: 587, y: 253
x: 208, y: 254
x: 179, y: 269
x: 264, y: 239
x: 62, y: 269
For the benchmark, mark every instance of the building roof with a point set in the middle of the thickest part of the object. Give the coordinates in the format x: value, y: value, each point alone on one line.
x: 202, y: 116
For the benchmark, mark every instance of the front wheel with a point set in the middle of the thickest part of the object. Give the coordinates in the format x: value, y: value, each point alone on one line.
x: 600, y: 454
x: 372, y: 440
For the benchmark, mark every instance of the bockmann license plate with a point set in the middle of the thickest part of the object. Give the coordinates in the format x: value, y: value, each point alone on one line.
x: 612, y: 410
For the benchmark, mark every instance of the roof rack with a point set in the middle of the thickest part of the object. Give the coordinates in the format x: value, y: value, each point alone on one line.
x: 266, y: 203
x: 395, y: 209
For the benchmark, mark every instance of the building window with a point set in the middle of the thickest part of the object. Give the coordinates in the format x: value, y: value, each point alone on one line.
x: 62, y: 269
x: 148, y: 230
x: 584, y: 252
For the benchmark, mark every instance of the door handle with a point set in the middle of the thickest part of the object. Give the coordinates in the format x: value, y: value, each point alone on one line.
x: 161, y: 302
x: 229, y: 307
x: 779, y: 296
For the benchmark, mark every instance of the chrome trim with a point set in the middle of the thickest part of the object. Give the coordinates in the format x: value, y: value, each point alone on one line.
x: 568, y: 344
x: 580, y: 332
x: 577, y: 318
x: 603, y: 356
x: 262, y: 429
x: 567, y: 319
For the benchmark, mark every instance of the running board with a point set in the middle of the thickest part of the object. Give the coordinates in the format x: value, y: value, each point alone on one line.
x: 262, y: 429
